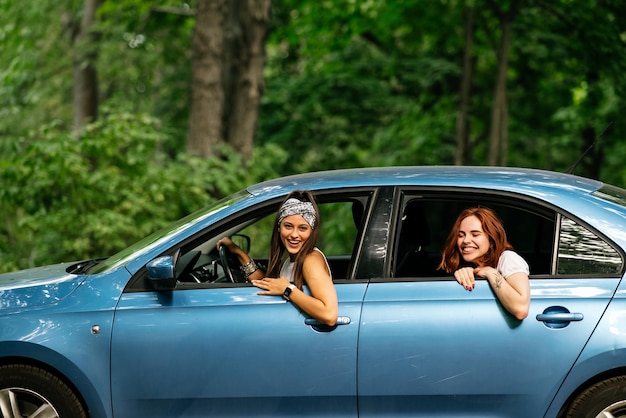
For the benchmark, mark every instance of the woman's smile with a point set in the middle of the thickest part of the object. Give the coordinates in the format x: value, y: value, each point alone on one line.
x: 472, y: 241
x: 294, y: 231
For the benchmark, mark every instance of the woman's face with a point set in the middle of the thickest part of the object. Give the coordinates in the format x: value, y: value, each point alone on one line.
x: 294, y: 231
x: 472, y: 241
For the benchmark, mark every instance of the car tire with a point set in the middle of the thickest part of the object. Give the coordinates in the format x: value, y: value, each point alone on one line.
x: 26, y: 389
x: 606, y: 397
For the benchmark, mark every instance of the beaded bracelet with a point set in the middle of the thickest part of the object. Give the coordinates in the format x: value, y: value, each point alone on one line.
x: 249, y: 268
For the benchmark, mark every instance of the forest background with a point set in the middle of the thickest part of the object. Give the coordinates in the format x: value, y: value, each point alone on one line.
x: 117, y: 117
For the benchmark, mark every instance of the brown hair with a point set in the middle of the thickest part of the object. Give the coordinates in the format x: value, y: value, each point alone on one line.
x: 492, y: 226
x: 277, y: 249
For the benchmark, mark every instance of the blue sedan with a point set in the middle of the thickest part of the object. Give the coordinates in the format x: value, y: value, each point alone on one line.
x: 168, y: 327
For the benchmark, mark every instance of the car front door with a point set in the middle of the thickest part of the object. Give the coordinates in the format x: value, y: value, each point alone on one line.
x: 429, y: 348
x: 220, y: 349
x: 226, y: 351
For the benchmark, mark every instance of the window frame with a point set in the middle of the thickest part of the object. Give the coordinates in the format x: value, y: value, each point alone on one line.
x: 516, y: 201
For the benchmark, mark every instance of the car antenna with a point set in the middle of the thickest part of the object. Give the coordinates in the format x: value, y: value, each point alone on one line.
x: 573, y: 167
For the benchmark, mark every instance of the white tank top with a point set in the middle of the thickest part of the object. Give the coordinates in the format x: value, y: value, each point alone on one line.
x: 286, y: 270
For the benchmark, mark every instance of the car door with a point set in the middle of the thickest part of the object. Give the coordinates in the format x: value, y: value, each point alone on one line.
x: 220, y: 349
x: 227, y: 351
x: 429, y: 348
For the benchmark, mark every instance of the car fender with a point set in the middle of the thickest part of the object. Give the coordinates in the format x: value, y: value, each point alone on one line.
x: 21, y: 352
x: 604, y: 354
x: 41, y: 333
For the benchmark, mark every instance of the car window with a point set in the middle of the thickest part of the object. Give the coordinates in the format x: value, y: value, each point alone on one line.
x: 583, y: 252
x: 340, y: 226
x: 425, y: 221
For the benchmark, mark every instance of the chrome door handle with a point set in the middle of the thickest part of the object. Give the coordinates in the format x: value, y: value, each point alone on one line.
x: 341, y: 320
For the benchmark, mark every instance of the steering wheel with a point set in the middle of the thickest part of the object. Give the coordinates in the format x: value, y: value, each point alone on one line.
x: 225, y: 260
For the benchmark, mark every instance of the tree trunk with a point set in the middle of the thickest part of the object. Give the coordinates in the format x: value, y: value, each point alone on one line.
x: 206, y: 128
x: 498, y: 132
x: 85, y: 74
x: 498, y: 110
x: 228, y: 61
x: 462, y: 121
x: 247, y: 87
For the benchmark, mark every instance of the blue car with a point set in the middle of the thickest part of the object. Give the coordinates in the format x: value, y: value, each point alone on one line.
x: 168, y: 327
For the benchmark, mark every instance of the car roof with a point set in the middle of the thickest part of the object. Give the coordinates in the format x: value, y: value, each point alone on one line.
x: 523, y: 180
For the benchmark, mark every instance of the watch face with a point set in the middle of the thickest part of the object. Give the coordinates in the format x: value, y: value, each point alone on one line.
x: 287, y: 292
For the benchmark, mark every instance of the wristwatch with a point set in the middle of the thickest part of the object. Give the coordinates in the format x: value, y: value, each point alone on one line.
x: 288, y: 290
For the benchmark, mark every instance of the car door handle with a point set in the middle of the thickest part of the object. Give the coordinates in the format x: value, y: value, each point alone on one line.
x: 558, y: 317
x: 341, y: 320
x: 319, y: 327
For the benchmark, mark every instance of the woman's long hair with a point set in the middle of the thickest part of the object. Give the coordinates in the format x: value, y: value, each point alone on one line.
x: 277, y: 249
x: 492, y: 226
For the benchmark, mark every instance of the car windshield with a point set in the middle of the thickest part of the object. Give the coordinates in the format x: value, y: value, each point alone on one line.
x: 154, y: 239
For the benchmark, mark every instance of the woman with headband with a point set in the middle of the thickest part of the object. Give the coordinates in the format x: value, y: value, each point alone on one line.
x: 294, y: 260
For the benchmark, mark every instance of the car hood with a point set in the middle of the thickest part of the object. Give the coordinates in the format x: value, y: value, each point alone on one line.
x: 37, y: 286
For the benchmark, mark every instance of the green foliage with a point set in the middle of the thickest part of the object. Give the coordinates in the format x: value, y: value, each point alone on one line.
x: 377, y: 82
x: 36, y: 72
x: 361, y: 107
x: 145, y: 61
x: 351, y: 83
x: 71, y: 198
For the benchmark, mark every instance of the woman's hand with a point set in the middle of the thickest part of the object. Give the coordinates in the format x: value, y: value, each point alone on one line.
x: 271, y: 286
x: 465, y: 277
x: 228, y: 243
x: 513, y: 291
x: 242, y: 256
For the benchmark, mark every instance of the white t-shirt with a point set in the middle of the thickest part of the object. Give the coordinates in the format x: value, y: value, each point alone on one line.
x: 286, y: 270
x: 511, y: 262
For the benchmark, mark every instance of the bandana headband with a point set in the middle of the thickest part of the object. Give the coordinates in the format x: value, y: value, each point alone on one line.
x: 296, y: 207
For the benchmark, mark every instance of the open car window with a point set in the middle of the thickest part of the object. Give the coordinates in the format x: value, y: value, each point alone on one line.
x: 341, y: 216
x: 426, y: 221
x: 551, y: 243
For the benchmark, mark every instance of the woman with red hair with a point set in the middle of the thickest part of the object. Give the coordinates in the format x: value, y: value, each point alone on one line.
x: 477, y: 247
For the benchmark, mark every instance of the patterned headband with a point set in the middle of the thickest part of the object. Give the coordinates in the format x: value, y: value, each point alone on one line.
x: 296, y: 207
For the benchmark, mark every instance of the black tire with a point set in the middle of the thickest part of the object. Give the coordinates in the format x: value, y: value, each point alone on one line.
x: 604, y: 399
x: 25, y: 389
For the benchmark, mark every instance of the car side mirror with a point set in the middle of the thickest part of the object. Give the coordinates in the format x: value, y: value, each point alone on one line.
x: 161, y: 273
x: 242, y: 241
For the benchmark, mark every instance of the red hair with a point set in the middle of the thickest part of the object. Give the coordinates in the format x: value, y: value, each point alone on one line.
x: 493, y: 228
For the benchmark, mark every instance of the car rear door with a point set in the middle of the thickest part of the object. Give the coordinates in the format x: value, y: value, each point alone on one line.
x: 429, y: 348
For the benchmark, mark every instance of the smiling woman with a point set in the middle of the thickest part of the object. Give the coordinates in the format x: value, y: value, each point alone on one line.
x: 294, y: 260
x: 478, y: 247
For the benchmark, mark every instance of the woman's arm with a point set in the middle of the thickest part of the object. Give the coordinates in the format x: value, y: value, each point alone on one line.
x: 322, y: 304
x: 512, y: 291
x: 241, y: 255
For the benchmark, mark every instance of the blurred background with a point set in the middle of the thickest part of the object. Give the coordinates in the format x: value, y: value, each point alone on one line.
x: 117, y: 117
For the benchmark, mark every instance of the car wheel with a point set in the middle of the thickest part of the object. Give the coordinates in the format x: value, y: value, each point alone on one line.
x: 27, y: 391
x: 604, y: 399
